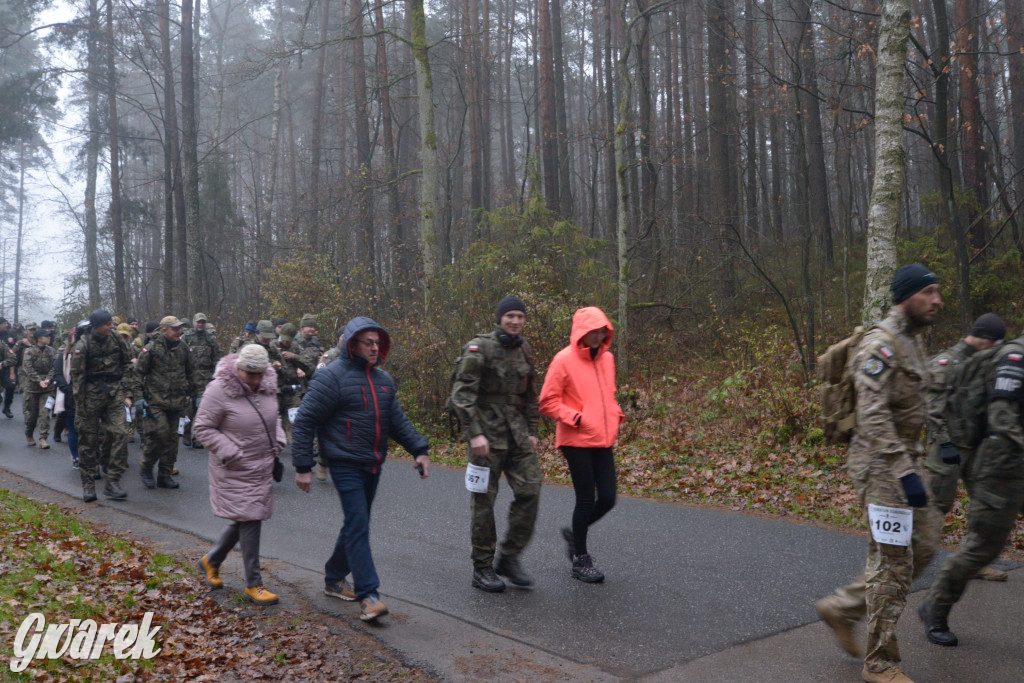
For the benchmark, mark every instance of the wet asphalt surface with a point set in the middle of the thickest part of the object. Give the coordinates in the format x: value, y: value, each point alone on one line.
x: 685, y: 586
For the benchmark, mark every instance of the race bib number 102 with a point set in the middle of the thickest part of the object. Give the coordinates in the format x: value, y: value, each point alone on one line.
x: 892, y: 526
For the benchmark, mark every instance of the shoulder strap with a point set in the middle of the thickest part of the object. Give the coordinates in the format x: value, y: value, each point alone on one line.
x: 265, y: 427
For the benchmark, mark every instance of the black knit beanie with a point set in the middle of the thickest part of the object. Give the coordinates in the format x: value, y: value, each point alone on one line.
x: 510, y: 303
x: 99, y: 318
x: 989, y: 326
x: 909, y: 280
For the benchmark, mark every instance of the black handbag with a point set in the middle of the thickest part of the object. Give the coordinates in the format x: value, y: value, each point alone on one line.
x: 278, y: 471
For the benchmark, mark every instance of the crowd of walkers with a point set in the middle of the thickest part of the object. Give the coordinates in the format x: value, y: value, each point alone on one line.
x: 338, y: 409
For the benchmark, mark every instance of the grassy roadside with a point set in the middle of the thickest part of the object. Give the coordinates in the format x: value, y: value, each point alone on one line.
x: 54, y: 564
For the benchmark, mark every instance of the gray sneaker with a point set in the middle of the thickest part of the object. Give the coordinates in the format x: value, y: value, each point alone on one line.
x: 583, y: 569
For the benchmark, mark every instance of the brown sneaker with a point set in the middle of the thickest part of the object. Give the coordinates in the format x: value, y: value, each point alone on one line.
x: 990, y: 574
x: 371, y: 607
x: 42, y: 444
x: 892, y: 675
x: 212, y: 573
x: 260, y: 595
x: 339, y: 590
x: 842, y: 628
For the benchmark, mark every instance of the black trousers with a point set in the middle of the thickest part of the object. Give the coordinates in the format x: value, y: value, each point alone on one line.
x: 593, y: 472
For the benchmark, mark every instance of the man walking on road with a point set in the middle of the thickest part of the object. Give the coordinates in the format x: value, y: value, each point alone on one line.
x: 205, y: 352
x: 99, y: 367
x: 165, y: 370
x: 996, y: 488
x: 890, y: 375
x: 352, y: 407
x: 494, y: 396
x: 37, y: 365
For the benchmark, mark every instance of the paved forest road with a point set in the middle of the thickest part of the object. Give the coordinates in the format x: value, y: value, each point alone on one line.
x: 690, y: 595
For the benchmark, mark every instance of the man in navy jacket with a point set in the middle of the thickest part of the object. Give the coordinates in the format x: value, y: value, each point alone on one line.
x: 351, y: 406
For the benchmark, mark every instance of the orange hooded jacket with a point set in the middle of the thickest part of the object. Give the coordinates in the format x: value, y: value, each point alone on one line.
x: 580, y: 389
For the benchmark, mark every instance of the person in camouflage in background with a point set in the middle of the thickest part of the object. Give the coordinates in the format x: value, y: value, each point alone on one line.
x: 292, y: 377
x: 205, y: 354
x: 494, y: 395
x: 890, y: 375
x: 995, y: 483
x: 943, y: 462
x: 248, y: 336
x: 36, y: 366
x: 307, y: 340
x: 100, y: 371
x: 165, y: 371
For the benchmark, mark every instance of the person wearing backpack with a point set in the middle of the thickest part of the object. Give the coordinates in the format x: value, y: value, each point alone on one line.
x: 890, y: 376
x: 995, y: 484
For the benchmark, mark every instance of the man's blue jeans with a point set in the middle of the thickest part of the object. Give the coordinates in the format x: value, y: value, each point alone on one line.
x: 356, y: 488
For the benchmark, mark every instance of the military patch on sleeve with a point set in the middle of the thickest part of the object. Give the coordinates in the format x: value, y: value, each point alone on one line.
x: 145, y: 350
x: 1009, y: 379
x: 943, y: 361
x: 884, y: 350
x: 473, y: 347
x: 873, y: 367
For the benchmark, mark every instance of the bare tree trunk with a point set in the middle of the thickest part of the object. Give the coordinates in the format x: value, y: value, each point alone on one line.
x: 21, y: 235
x: 92, y: 152
x: 471, y: 38
x: 610, y: 161
x: 271, y: 225
x: 428, y: 147
x: 362, y: 125
x: 120, y: 292
x: 316, y: 134
x: 548, y: 118
x: 170, y: 119
x: 890, y: 157
x: 1015, y: 64
x: 970, y: 116
x: 721, y: 203
x: 750, y: 184
x: 561, y: 123
x: 190, y: 159
x: 397, y: 240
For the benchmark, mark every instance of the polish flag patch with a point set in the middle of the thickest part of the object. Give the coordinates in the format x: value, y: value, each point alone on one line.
x: 885, y: 352
x: 944, y: 361
x: 474, y: 347
x: 1015, y: 357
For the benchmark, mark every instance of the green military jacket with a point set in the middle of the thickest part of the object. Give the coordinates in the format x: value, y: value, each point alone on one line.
x: 103, y: 361
x: 205, y: 354
x: 941, y: 366
x: 37, y: 365
x: 7, y: 359
x: 494, y: 392
x: 166, y: 374
x: 288, y: 373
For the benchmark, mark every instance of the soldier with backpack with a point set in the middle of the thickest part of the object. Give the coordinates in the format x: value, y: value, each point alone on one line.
x: 995, y: 483
x: 889, y: 374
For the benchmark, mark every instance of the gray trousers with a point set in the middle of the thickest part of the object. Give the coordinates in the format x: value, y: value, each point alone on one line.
x: 247, y: 535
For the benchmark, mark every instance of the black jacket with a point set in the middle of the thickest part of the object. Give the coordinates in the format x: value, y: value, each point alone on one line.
x: 353, y: 409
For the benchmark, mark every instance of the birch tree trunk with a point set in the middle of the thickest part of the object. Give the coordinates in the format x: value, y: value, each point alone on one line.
x: 890, y: 157
x: 428, y: 147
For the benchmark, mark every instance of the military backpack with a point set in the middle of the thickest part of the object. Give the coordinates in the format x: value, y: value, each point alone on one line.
x: 967, y: 404
x: 838, y: 395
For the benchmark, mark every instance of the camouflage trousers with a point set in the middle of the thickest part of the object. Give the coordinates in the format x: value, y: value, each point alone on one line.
x: 284, y: 404
x: 991, y: 517
x: 522, y: 470
x: 880, y: 592
x: 33, y: 405
x: 161, y: 447
x: 943, y: 478
x: 96, y: 414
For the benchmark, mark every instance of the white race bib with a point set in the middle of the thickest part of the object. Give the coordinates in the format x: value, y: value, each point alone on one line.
x: 127, y: 414
x: 49, y: 403
x: 892, y: 526
x: 477, y: 478
x: 182, y: 423
x: 292, y: 412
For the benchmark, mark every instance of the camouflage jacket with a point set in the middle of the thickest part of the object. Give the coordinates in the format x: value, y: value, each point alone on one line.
x: 104, y: 361
x: 890, y: 375
x: 288, y: 373
x: 166, y: 374
x: 37, y: 364
x: 329, y: 356
x: 238, y: 342
x: 941, y: 367
x: 7, y: 358
x: 494, y: 392
x: 205, y: 354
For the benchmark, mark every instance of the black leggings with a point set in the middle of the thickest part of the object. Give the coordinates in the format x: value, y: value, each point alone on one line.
x: 592, y: 469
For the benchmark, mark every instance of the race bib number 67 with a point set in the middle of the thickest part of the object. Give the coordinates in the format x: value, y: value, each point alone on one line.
x: 892, y: 526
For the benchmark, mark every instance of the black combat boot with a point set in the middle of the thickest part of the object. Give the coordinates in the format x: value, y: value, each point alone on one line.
x: 936, y: 628
x: 147, y: 478
x: 114, y: 491
x: 88, y: 493
x: 510, y: 568
x: 486, y: 580
x: 166, y: 481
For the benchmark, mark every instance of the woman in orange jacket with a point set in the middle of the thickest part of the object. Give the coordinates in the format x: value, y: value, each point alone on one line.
x: 579, y: 392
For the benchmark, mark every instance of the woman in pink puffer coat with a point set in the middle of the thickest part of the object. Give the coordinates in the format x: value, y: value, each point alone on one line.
x: 238, y: 422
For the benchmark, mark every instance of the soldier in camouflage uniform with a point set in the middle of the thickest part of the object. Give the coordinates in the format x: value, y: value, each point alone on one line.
x: 494, y: 396
x: 308, y: 342
x: 292, y: 377
x: 100, y: 372
x: 205, y: 353
x: 37, y: 364
x: 247, y: 337
x: 944, y: 462
x: 890, y: 375
x: 995, y: 483
x: 165, y: 371
x: 8, y: 365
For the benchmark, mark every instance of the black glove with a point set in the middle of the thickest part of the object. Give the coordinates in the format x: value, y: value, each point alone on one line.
x: 949, y: 454
x: 913, y: 487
